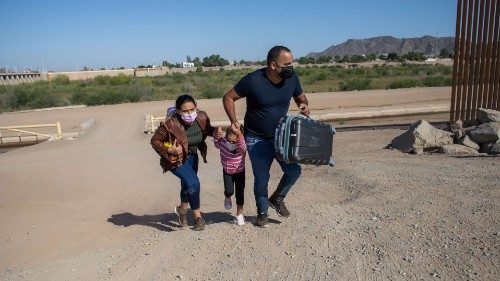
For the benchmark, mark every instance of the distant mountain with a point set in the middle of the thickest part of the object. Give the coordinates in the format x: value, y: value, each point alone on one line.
x: 428, y: 45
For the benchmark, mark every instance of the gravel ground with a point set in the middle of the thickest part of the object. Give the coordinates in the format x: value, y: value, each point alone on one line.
x: 99, y: 208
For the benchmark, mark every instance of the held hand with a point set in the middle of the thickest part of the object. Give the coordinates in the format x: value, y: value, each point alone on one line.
x: 218, y: 133
x: 237, y: 130
x: 304, y: 109
x: 236, y: 124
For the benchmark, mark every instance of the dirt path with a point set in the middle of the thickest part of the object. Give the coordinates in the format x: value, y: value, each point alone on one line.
x: 99, y: 208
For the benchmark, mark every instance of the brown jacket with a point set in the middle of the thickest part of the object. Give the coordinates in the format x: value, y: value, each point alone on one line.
x: 172, y: 130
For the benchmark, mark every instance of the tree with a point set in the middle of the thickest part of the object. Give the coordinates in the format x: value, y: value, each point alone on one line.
x: 371, y: 57
x: 414, y: 56
x: 197, y: 62
x: 166, y: 64
x: 324, y: 59
x: 188, y: 58
x: 306, y: 60
x: 392, y: 56
x: 214, y: 60
x: 444, y: 53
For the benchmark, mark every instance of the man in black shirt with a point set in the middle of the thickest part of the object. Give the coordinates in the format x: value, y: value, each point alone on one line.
x: 268, y: 92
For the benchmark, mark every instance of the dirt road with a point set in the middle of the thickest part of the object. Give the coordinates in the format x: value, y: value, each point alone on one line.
x: 99, y: 208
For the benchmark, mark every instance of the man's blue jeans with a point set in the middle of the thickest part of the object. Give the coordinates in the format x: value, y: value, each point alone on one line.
x: 190, y: 184
x: 261, y: 153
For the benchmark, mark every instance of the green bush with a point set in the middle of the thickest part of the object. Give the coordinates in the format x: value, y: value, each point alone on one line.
x: 61, y: 79
x: 105, y: 96
x: 212, y: 93
x: 120, y: 79
x: 403, y: 83
x: 437, y: 81
x: 211, y: 84
x: 102, y: 79
x: 355, y: 84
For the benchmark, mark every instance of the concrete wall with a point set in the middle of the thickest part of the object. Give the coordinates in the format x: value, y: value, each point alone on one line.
x: 86, y: 75
x: 18, y: 78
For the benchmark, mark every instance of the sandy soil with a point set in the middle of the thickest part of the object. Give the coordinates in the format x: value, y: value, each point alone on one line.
x: 99, y: 208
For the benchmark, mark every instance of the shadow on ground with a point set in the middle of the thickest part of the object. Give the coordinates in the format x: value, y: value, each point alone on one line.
x: 165, y: 222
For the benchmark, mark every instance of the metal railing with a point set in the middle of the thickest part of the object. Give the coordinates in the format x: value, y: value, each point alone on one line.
x: 20, y: 131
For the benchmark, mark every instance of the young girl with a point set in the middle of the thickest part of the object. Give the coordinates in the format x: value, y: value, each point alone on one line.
x: 232, y: 156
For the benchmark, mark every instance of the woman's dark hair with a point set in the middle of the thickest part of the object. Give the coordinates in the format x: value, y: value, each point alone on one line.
x: 274, y: 53
x: 183, y: 99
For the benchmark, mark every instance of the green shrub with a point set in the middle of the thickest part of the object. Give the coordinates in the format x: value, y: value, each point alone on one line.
x: 355, y: 84
x: 212, y: 93
x: 120, y: 79
x: 102, y: 79
x: 61, y: 79
x: 437, y: 81
x: 3, y: 89
x: 403, y: 83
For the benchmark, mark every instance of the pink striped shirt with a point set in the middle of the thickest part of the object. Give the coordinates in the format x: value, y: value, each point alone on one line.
x: 232, y: 162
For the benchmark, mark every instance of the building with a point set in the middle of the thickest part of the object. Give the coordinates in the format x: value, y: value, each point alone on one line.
x: 187, y: 64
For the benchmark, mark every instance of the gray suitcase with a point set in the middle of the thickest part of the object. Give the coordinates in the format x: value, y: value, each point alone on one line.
x: 299, y: 139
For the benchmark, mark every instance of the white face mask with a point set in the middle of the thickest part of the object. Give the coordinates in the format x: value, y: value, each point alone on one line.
x: 231, y: 146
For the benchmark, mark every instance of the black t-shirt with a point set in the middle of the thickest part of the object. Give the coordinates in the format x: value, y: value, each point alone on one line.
x: 266, y: 102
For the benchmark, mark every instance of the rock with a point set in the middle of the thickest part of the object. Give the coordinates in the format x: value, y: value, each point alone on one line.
x: 489, y: 132
x: 87, y: 124
x: 456, y: 126
x: 421, y: 136
x: 486, y: 147
x: 466, y: 131
x: 469, y: 143
x: 458, y: 150
x: 488, y: 115
x: 495, y: 149
x: 457, y: 135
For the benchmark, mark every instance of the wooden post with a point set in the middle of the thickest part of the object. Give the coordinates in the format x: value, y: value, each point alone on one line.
x: 59, y: 131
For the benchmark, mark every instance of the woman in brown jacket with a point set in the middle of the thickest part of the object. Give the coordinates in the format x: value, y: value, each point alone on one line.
x: 177, y: 141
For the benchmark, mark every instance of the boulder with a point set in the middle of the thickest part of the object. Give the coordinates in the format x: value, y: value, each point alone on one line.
x: 495, y: 149
x: 421, y: 136
x: 488, y: 115
x: 466, y: 131
x: 486, y: 147
x: 457, y: 136
x: 489, y: 132
x: 456, y: 126
x: 458, y: 150
x: 469, y: 143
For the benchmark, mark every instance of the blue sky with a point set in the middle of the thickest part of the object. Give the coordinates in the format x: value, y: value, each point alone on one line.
x: 67, y: 35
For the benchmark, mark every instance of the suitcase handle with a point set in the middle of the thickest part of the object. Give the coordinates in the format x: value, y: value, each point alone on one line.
x: 280, y: 139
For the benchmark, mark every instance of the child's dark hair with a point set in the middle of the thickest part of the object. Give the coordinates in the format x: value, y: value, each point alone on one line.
x: 183, y: 99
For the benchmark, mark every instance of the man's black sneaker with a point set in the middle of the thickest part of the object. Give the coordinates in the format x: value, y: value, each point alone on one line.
x: 199, y: 224
x: 279, y: 206
x: 181, y: 216
x: 261, y: 220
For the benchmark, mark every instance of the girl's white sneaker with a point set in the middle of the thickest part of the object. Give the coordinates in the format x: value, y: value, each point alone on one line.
x: 240, y: 219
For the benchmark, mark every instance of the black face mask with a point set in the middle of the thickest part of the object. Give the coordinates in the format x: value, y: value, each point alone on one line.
x: 286, y: 72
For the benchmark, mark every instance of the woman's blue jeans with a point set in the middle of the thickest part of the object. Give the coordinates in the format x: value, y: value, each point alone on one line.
x: 190, y: 184
x: 261, y: 153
